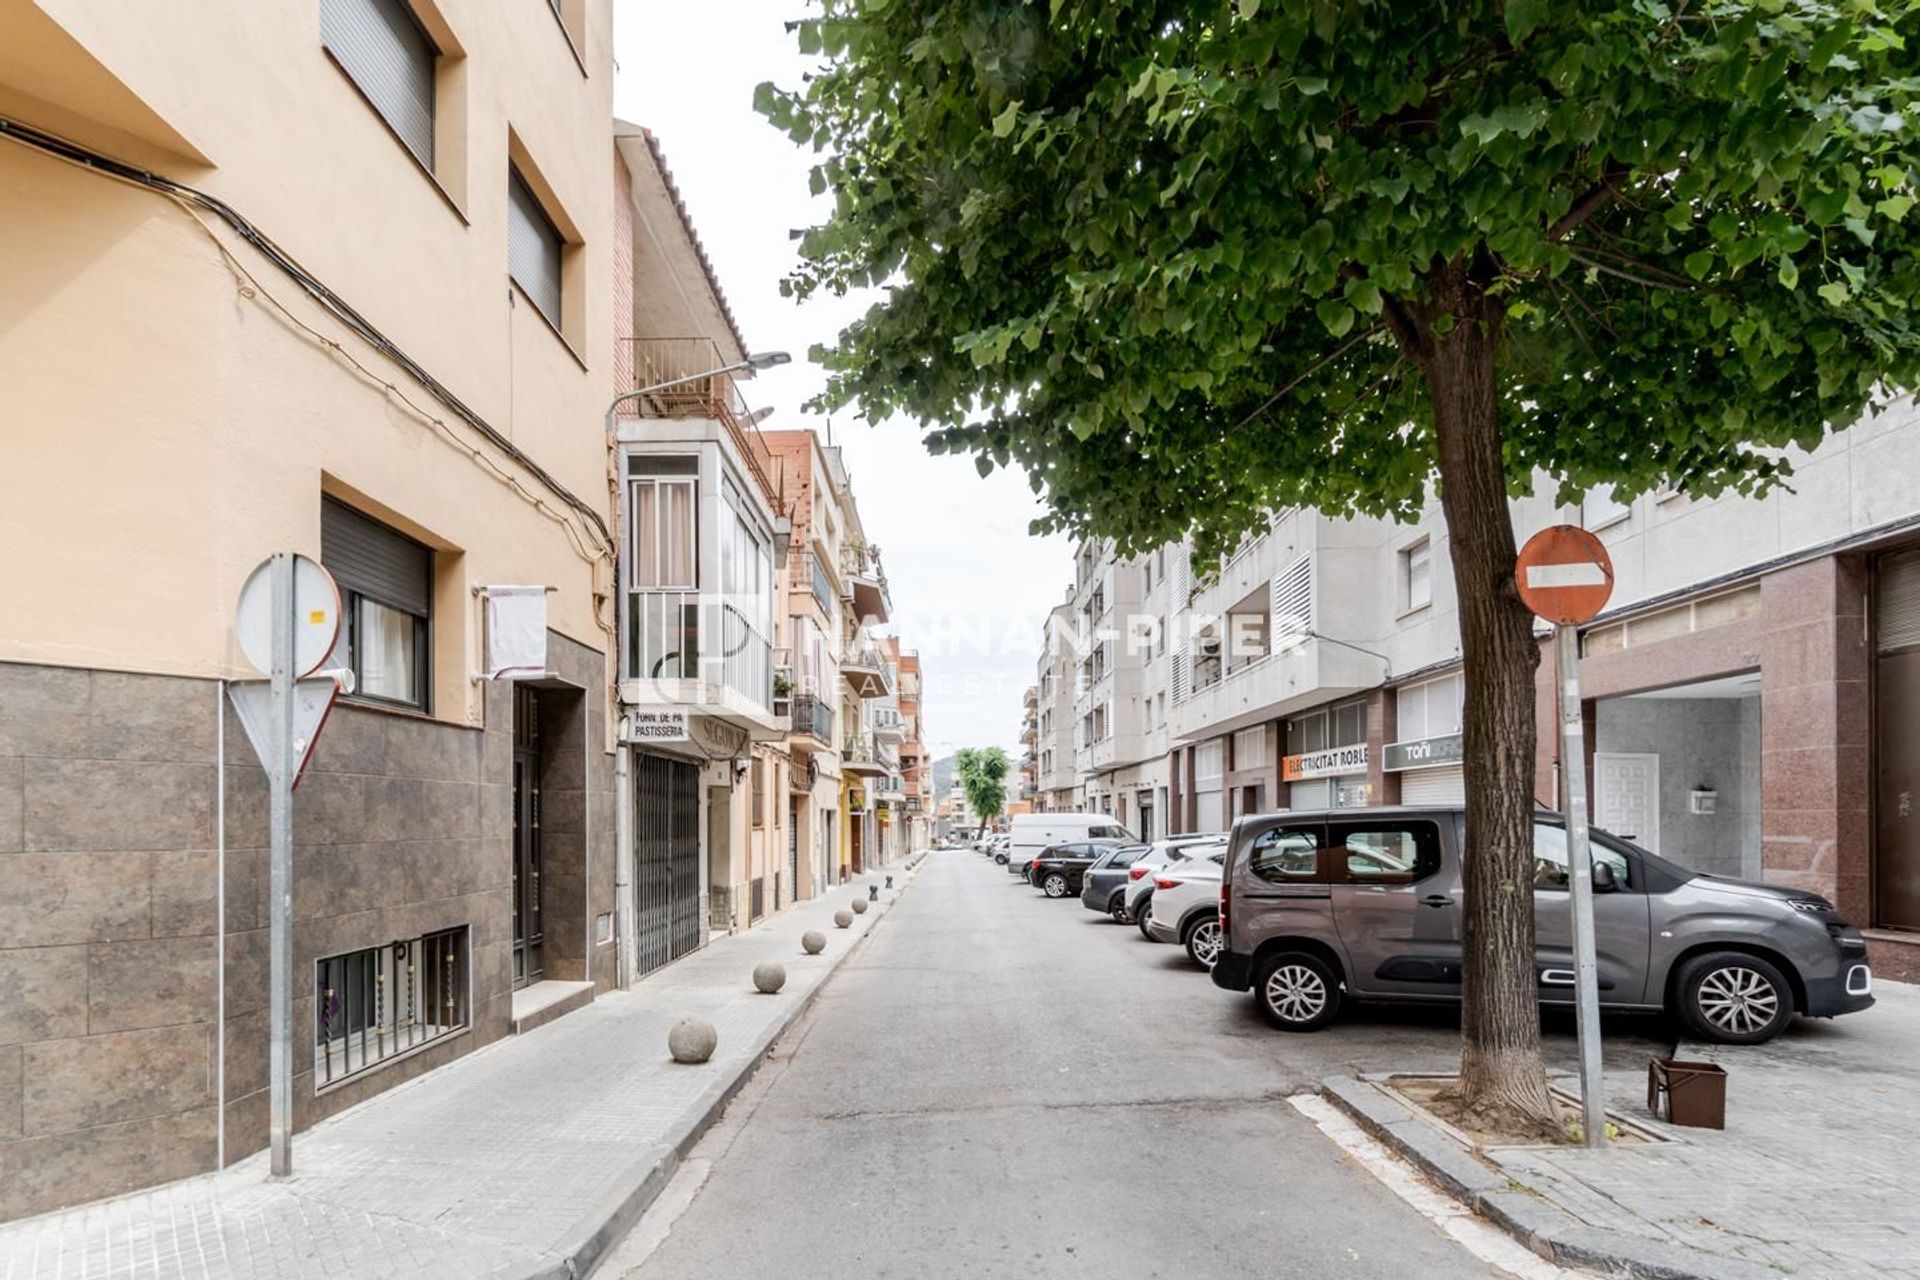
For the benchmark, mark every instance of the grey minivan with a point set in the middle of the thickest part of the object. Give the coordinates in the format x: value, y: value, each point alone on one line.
x: 1364, y: 904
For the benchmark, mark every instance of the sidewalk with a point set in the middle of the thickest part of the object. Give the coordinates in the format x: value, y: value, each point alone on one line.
x: 526, y: 1158
x: 1815, y: 1173
x: 1813, y: 1176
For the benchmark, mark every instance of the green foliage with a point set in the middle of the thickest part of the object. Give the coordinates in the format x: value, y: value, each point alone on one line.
x: 982, y: 772
x: 1176, y: 259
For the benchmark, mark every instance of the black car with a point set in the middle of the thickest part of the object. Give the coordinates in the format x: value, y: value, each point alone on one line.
x: 1059, y: 868
x: 1103, y: 885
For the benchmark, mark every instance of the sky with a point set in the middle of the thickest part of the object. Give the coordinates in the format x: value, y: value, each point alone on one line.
x: 970, y: 587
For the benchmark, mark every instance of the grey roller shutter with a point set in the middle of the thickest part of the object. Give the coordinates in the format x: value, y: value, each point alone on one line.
x: 533, y: 248
x: 1443, y: 786
x: 382, y: 47
x: 366, y: 557
x: 1897, y: 625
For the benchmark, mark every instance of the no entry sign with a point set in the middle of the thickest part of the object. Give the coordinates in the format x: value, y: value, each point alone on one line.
x: 1564, y: 575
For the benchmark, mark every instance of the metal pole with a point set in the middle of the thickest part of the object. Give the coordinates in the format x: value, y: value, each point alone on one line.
x: 280, y: 855
x: 1586, y: 982
x: 220, y: 925
x: 624, y: 913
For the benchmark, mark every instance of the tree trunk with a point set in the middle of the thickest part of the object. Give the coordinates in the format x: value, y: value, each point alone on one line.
x: 1502, y: 1079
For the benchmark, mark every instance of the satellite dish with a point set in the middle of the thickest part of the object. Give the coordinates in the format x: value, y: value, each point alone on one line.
x: 316, y: 616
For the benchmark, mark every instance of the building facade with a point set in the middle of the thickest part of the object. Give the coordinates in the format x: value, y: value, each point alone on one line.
x: 1749, y: 702
x: 353, y: 282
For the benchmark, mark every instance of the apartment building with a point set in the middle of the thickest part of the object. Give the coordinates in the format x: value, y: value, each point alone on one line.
x: 916, y: 767
x: 1751, y: 704
x: 836, y: 593
x: 1121, y: 740
x: 889, y: 729
x: 1057, y: 772
x: 704, y: 538
x: 333, y: 278
x: 1027, y: 787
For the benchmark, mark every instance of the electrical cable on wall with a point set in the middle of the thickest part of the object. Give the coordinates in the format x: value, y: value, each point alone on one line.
x: 191, y: 200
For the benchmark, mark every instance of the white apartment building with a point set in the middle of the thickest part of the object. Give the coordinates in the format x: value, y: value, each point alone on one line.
x: 1057, y: 770
x: 1120, y: 753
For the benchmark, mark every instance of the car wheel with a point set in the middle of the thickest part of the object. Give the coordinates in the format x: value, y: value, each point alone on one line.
x: 1297, y: 991
x: 1203, y: 941
x: 1055, y: 885
x: 1118, y: 909
x: 1145, y: 914
x: 1730, y: 997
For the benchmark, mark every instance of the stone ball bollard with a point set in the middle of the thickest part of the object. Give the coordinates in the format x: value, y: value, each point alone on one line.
x: 769, y: 977
x: 859, y: 906
x: 692, y: 1040
x: 843, y: 918
x: 813, y: 942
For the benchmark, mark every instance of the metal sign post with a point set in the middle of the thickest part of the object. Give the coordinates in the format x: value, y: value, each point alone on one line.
x: 280, y: 876
x: 286, y: 622
x: 1565, y: 576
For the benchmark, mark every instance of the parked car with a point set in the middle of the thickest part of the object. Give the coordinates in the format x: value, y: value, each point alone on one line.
x: 1029, y: 833
x: 1057, y: 870
x: 1106, y: 886
x: 1138, y: 903
x: 1364, y: 904
x: 1186, y: 906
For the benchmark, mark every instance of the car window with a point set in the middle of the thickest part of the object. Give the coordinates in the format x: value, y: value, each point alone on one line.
x: 1550, y: 858
x: 1385, y: 853
x: 1286, y: 854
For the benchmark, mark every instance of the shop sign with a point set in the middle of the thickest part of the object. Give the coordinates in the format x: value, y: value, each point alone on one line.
x: 1330, y: 763
x: 659, y: 725
x: 1426, y: 753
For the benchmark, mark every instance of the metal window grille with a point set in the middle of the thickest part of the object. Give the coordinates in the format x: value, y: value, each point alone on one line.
x: 376, y: 1004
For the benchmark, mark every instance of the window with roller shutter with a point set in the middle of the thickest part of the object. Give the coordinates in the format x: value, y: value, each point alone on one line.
x: 389, y: 56
x: 534, y: 247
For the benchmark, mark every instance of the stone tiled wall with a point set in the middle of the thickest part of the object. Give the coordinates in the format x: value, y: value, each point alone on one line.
x: 109, y: 794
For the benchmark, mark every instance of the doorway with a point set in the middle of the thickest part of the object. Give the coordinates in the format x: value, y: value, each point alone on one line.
x: 1896, y: 711
x: 666, y: 856
x: 1626, y: 796
x: 529, y: 929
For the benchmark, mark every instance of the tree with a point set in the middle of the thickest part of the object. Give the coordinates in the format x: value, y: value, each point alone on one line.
x: 982, y: 772
x: 1189, y: 261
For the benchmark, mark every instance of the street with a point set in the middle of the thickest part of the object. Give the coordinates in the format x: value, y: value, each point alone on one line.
x: 1002, y: 1085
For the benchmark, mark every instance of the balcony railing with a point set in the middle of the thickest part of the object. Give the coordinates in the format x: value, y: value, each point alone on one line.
x: 664, y: 642
x: 822, y: 585
x: 715, y: 397
x: 813, y: 716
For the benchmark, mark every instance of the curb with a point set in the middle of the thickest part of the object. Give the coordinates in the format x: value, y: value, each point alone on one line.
x: 1528, y: 1217
x: 582, y: 1247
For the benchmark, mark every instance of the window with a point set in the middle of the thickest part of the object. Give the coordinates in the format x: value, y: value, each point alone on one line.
x: 1250, y: 748
x: 1286, y: 854
x: 385, y: 1001
x: 389, y: 56
x: 759, y: 792
x: 1430, y: 710
x: 1550, y: 858
x: 386, y: 594
x: 1400, y: 854
x: 533, y: 248
x: 665, y: 521
x: 1416, y: 576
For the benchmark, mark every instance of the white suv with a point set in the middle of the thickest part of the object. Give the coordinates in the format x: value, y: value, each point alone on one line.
x: 1186, y: 906
x: 1164, y: 853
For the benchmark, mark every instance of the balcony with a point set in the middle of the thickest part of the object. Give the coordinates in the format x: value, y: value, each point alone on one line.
x: 1302, y: 675
x: 889, y: 726
x: 865, y: 583
x: 865, y: 671
x: 714, y: 398
x: 812, y: 722
x: 861, y: 757
x: 688, y: 650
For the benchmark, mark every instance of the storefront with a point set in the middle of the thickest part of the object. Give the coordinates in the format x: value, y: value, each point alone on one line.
x: 1427, y: 753
x: 1326, y: 762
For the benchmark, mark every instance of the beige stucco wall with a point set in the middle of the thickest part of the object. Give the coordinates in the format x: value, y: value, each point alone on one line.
x: 162, y: 431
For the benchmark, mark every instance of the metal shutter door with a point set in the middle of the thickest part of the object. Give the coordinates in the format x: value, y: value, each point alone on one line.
x: 533, y: 249
x: 1897, y: 621
x: 371, y: 559
x: 1434, y: 786
x: 381, y: 46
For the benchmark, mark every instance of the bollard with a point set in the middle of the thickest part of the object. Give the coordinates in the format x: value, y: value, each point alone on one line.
x: 813, y: 942
x: 889, y: 882
x: 843, y: 918
x: 769, y: 977
x: 692, y: 1040
x: 859, y: 906
x: 873, y: 892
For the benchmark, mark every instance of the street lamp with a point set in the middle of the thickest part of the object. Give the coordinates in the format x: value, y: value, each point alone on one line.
x: 622, y: 787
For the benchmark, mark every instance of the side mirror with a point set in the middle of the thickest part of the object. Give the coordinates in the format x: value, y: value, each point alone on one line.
x: 1603, y: 881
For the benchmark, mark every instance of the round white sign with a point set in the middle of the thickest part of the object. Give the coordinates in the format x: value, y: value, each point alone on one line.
x: 316, y: 616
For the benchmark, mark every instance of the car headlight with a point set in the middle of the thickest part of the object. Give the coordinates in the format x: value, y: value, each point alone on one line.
x: 1811, y: 906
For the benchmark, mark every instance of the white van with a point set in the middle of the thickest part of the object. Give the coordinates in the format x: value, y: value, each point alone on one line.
x: 1032, y: 832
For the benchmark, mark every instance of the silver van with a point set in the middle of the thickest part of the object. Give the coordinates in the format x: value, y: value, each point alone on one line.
x: 1364, y: 904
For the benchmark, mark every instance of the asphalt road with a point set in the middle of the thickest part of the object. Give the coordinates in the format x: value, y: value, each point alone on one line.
x: 1006, y: 1086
